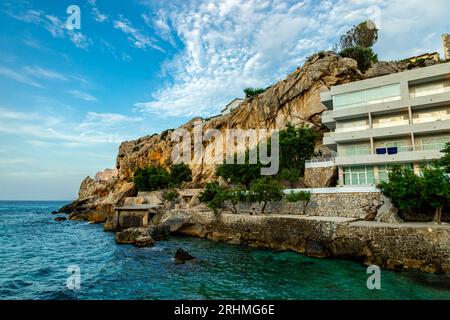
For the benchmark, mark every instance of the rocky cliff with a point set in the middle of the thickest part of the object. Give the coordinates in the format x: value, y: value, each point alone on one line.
x: 295, y: 99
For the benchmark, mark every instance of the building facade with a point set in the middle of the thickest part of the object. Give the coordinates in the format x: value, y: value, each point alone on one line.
x: 398, y: 119
x: 235, y: 103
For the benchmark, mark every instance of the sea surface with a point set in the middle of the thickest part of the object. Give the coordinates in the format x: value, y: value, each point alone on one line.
x: 36, y: 252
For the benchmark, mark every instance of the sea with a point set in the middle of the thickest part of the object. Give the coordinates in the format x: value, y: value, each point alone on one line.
x: 43, y: 259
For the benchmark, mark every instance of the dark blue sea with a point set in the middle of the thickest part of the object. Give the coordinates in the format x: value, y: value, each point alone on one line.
x: 36, y: 251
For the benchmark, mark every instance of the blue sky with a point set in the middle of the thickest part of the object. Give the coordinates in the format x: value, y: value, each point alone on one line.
x: 69, y: 97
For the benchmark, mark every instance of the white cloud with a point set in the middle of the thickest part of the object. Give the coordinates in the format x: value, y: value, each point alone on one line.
x: 98, y: 16
x: 18, y: 76
x: 54, y: 25
x: 40, y: 72
x: 95, y: 119
x: 41, y: 129
x: 135, y: 36
x: 82, y: 95
x: 232, y: 44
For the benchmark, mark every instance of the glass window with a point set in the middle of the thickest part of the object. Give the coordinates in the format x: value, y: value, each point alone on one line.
x: 358, y: 175
x: 368, y: 96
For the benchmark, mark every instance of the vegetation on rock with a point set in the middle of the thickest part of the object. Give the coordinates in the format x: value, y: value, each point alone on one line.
x: 180, y: 173
x: 151, y: 178
x: 156, y: 178
x: 169, y: 195
x: 251, y: 92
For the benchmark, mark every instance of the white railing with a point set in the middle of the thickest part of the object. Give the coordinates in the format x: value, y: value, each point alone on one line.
x: 390, y: 124
x: 320, y: 159
x: 430, y: 92
x: 431, y: 119
x: 351, y: 129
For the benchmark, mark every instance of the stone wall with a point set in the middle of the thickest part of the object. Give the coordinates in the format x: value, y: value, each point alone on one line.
x: 406, y: 246
x: 349, y: 205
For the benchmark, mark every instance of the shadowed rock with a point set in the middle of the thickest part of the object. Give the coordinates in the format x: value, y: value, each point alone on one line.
x: 182, y: 256
x: 60, y: 219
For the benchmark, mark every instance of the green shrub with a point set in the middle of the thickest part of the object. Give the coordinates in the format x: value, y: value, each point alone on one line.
x: 209, y: 192
x: 444, y: 162
x: 151, y: 178
x: 296, y: 196
x: 180, y: 173
x: 289, y: 175
x: 264, y: 190
x: 412, y: 193
x: 363, y: 56
x: 296, y: 146
x: 251, y: 92
x: 169, y: 195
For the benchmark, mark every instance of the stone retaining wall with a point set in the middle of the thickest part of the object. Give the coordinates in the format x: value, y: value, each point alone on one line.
x: 406, y: 246
x: 349, y: 205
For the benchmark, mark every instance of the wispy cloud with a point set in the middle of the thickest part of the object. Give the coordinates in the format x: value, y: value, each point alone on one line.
x: 232, y: 44
x: 82, y: 95
x: 135, y: 36
x: 41, y: 129
x: 53, y: 24
x: 40, y: 72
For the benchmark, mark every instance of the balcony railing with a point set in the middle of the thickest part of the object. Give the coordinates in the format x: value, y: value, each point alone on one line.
x: 430, y: 92
x: 431, y: 119
x: 351, y: 129
x: 390, y: 124
x: 320, y: 159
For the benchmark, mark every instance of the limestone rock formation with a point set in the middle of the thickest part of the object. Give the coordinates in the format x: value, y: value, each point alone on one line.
x: 296, y: 100
x: 388, y: 212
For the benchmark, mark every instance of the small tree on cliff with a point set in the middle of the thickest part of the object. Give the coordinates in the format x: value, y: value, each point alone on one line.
x: 363, y: 35
x: 180, y: 173
x: 357, y: 44
x: 296, y: 146
x: 264, y: 190
x: 240, y: 174
x: 151, y: 178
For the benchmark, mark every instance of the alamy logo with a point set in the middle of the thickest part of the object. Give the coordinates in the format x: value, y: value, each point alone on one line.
x: 213, y: 147
x: 74, y: 20
x: 374, y: 281
x: 73, y: 282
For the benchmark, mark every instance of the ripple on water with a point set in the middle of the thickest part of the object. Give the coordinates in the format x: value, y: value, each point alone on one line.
x: 36, y: 252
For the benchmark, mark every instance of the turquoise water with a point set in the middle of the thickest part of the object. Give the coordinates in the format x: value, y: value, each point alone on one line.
x: 35, y: 252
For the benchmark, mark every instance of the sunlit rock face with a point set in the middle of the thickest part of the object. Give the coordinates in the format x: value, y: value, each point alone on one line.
x: 296, y: 100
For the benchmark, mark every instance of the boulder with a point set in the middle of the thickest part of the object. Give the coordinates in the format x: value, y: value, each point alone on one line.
x: 144, y: 241
x: 388, y: 212
x: 182, y: 256
x: 130, y: 235
x: 160, y: 231
x: 320, y: 177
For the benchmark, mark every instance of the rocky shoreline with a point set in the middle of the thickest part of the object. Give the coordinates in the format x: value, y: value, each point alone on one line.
x: 392, y: 245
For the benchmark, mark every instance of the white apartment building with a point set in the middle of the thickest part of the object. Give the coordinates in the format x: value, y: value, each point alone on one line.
x: 398, y: 119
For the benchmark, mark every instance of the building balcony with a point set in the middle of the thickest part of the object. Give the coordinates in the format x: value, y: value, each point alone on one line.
x: 400, y: 157
x: 402, y: 130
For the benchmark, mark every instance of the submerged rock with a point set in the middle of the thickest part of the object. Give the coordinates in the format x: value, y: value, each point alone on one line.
x: 60, y: 219
x: 182, y: 256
